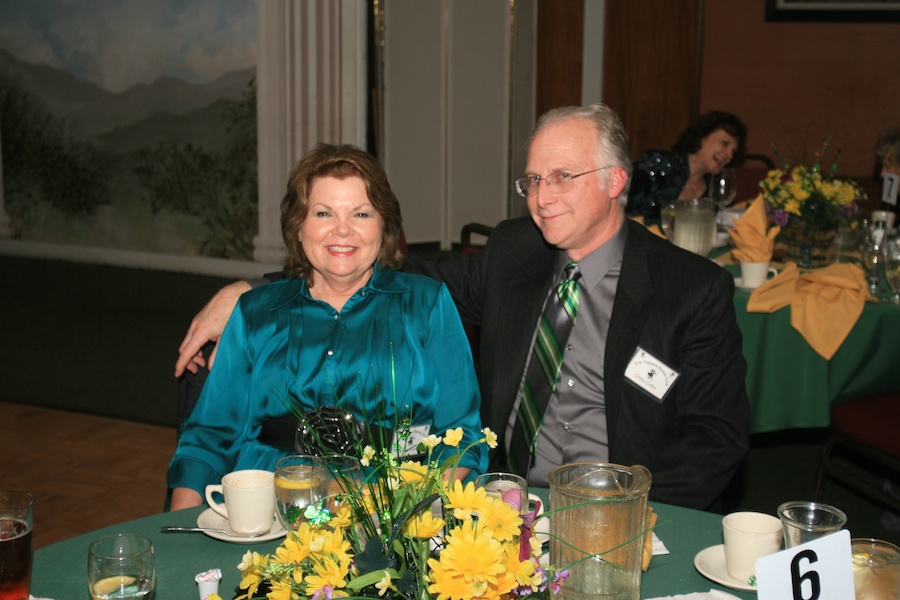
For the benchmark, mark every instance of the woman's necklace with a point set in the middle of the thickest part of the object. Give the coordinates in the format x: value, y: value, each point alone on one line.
x: 693, y: 188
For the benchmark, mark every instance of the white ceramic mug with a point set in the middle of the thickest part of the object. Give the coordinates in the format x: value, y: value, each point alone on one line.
x: 249, y: 501
x: 754, y: 275
x: 541, y: 526
x: 883, y: 215
x: 748, y: 537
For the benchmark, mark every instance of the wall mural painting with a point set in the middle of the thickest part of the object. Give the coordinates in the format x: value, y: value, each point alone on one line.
x: 129, y: 124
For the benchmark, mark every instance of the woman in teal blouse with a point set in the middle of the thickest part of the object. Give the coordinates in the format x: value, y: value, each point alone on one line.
x: 345, y: 328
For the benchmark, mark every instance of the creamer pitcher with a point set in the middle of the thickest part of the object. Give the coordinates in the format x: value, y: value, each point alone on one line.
x: 690, y: 224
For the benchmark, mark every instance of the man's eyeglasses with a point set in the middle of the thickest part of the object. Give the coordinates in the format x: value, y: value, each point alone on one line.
x: 560, y: 181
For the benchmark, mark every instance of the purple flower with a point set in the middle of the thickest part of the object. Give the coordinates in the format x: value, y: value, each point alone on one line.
x: 558, y: 580
x: 780, y: 217
x: 324, y: 593
x: 513, y: 497
x: 525, y: 532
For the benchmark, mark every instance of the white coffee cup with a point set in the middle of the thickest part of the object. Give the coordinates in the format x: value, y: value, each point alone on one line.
x: 883, y: 215
x: 249, y: 500
x: 541, y: 527
x: 754, y: 275
x: 748, y: 537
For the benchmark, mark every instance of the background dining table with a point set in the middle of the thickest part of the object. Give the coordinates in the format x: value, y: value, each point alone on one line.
x: 791, y: 386
x: 60, y: 570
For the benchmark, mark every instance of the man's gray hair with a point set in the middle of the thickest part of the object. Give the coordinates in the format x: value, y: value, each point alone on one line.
x: 612, y: 141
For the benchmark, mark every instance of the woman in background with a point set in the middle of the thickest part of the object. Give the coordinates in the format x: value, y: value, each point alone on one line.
x: 344, y: 329
x: 703, y: 149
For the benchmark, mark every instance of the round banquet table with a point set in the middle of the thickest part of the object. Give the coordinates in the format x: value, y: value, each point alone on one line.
x: 60, y: 570
x: 791, y: 386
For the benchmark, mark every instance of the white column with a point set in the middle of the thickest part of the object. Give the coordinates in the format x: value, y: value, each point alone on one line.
x: 310, y: 88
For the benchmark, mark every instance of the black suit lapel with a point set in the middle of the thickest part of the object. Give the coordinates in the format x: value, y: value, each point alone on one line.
x: 627, y: 321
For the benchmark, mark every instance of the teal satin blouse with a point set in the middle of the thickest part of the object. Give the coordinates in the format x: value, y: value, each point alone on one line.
x: 397, y: 349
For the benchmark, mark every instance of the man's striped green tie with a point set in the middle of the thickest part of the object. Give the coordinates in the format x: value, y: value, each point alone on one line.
x: 542, y: 370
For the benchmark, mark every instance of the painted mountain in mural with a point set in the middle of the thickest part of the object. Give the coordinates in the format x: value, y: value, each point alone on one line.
x: 163, y: 167
x: 97, y: 112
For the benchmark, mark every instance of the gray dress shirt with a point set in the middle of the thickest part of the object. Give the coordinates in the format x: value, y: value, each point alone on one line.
x: 574, y: 426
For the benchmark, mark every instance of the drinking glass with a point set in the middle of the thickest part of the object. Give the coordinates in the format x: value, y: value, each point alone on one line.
x: 892, y: 269
x: 722, y: 189
x: 345, y: 472
x: 806, y: 521
x: 876, y: 569
x: 300, y: 480
x: 16, y: 522
x: 121, y: 566
x: 508, y: 487
x: 873, y: 262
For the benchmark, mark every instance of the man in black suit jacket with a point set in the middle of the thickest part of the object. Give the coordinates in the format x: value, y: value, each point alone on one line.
x: 650, y: 297
x: 671, y: 303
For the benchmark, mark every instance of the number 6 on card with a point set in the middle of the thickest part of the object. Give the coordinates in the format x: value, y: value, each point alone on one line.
x: 818, y: 570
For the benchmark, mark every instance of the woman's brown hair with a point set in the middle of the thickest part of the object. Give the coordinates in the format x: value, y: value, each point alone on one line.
x: 340, y: 161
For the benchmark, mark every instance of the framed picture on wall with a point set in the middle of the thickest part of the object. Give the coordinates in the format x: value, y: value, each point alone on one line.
x: 858, y: 11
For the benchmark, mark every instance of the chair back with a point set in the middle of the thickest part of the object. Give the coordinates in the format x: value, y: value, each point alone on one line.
x: 748, y: 173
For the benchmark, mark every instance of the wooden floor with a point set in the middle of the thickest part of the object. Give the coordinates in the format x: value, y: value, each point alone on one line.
x: 85, y: 472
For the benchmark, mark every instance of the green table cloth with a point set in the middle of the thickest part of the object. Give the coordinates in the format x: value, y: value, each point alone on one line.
x: 791, y: 386
x: 60, y: 570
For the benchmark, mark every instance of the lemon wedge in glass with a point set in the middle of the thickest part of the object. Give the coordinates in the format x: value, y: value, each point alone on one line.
x: 108, y: 585
x: 862, y: 572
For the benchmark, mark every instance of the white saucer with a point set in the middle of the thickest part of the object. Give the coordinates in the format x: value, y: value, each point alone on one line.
x: 739, y: 284
x: 711, y: 564
x: 213, y: 520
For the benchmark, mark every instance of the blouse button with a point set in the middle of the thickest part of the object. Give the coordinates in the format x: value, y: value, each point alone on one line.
x: 567, y: 426
x: 570, y: 383
x: 336, y: 317
x: 330, y: 353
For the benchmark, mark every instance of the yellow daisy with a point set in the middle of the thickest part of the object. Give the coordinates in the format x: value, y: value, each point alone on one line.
x: 470, y: 553
x: 328, y: 573
x: 423, y: 526
x: 412, y: 472
x: 447, y: 585
x: 500, y: 520
x: 466, y: 500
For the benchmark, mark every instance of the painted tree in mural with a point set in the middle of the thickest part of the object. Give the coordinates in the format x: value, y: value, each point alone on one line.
x: 219, y: 187
x: 43, y: 159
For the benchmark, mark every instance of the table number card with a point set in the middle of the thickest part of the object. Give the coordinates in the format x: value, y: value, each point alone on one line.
x: 889, y: 189
x: 818, y: 570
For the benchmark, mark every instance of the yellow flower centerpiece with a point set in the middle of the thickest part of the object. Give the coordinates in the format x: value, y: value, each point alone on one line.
x: 809, y: 204
x: 407, y: 532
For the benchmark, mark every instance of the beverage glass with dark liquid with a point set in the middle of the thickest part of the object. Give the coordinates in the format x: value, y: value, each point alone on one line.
x: 16, y: 522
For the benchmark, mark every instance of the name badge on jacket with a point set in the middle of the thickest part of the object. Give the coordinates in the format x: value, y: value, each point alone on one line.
x: 650, y: 374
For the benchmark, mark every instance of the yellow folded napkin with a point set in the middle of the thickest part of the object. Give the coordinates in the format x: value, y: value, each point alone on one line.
x: 825, y: 304
x: 651, y: 228
x: 753, y: 241
x: 648, y: 539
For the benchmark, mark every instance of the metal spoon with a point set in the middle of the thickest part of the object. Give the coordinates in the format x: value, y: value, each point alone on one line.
x: 171, y: 529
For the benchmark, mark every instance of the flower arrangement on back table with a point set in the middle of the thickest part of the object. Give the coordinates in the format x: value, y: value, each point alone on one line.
x: 407, y: 533
x: 809, y: 203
